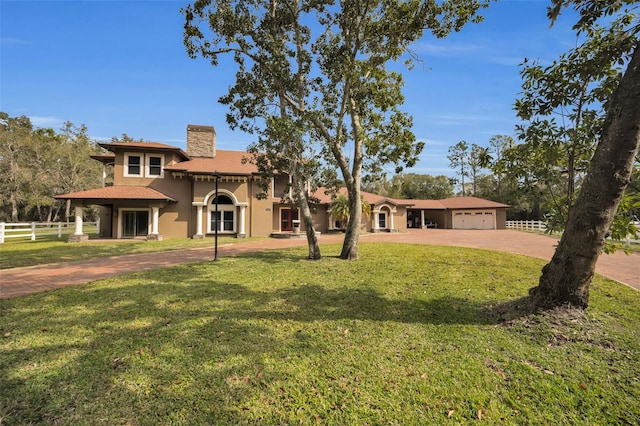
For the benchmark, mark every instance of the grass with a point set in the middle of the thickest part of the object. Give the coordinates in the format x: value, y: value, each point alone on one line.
x: 408, y: 334
x: 14, y: 254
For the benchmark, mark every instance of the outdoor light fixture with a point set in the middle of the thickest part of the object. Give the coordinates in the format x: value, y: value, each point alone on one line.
x: 217, y: 223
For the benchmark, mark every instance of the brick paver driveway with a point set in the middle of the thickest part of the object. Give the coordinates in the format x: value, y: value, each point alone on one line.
x: 20, y: 281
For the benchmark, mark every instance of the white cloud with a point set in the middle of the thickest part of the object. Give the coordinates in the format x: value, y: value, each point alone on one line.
x: 446, y: 49
x: 432, y: 142
x: 53, y: 122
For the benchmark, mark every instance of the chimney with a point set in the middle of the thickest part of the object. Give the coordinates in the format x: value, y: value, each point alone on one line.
x: 201, y: 141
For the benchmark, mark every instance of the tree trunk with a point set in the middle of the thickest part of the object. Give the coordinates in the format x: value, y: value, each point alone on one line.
x: 353, y: 183
x: 307, y: 218
x: 14, y: 207
x: 352, y: 233
x: 67, y: 210
x: 566, y: 279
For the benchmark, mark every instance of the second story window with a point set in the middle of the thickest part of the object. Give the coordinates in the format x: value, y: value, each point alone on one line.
x: 133, y: 165
x: 154, y: 166
x: 143, y: 165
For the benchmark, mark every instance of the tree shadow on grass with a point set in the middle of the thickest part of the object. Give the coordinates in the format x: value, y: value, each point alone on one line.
x: 128, y: 339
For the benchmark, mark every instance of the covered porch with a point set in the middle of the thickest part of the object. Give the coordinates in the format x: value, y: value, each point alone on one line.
x: 127, y: 212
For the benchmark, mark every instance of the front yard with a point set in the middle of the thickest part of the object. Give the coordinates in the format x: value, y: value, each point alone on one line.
x: 408, y: 334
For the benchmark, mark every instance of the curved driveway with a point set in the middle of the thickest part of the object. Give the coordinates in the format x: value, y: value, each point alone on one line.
x: 21, y: 281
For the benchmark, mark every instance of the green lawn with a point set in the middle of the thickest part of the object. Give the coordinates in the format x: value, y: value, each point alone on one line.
x: 408, y: 334
x: 14, y: 254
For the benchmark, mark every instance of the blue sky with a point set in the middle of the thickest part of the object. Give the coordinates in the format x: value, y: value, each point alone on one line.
x: 120, y: 67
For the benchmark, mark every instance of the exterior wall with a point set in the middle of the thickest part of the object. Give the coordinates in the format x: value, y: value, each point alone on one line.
x: 321, y: 219
x: 400, y: 219
x: 501, y: 218
x: 448, y: 220
x: 105, y: 221
x: 174, y: 220
x: 260, y: 213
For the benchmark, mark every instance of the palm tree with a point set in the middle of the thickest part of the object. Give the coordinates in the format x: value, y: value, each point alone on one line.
x: 339, y: 208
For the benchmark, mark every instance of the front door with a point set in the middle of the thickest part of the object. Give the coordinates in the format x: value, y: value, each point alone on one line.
x: 287, y: 216
x: 135, y: 223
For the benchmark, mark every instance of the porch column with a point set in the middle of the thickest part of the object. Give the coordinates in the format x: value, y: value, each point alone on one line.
x: 331, y: 223
x: 391, y: 213
x: 154, y: 224
x: 78, y: 236
x: 78, y: 221
x: 199, y: 233
x: 422, y: 219
x: 376, y: 221
x: 241, y: 233
x: 155, y: 215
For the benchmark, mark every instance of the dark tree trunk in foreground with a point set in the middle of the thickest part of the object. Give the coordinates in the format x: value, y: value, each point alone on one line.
x: 307, y: 218
x: 566, y: 279
x: 352, y: 233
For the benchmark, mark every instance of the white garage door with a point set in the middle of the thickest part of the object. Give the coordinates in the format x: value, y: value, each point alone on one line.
x: 474, y: 219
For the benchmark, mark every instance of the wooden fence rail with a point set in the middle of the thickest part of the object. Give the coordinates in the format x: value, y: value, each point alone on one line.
x: 33, y: 230
x: 540, y: 225
x: 527, y: 225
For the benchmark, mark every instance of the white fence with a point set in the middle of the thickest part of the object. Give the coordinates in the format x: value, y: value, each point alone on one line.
x: 539, y: 225
x: 33, y: 230
x: 527, y: 225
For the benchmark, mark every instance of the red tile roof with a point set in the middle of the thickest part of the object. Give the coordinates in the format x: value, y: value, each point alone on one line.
x: 117, y: 193
x: 104, y: 158
x: 370, y: 198
x: 470, y: 203
x: 156, y: 146
x: 428, y: 205
x: 225, y: 162
x: 447, y: 203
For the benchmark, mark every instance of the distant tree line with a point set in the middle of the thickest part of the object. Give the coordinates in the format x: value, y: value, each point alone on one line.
x: 38, y: 163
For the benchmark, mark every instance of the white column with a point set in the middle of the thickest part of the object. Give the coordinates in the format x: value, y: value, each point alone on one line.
x: 242, y: 216
x: 155, y: 216
x: 421, y: 218
x: 331, y: 223
x: 392, y: 215
x: 376, y: 221
x: 199, y: 220
x: 78, y: 221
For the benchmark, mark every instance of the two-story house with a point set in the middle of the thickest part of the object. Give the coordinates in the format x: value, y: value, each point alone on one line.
x: 161, y: 191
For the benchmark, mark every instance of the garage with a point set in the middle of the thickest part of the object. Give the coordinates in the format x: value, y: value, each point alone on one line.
x: 457, y: 213
x: 474, y: 219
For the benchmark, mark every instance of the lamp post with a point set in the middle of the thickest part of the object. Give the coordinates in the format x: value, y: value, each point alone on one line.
x: 217, y: 221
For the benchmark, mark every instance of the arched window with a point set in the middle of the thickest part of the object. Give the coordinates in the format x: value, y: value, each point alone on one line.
x: 226, y: 220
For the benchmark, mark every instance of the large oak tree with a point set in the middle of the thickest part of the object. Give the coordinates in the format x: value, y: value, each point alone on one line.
x: 325, y: 63
x: 566, y: 278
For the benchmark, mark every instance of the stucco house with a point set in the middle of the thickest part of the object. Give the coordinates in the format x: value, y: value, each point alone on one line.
x: 160, y: 191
